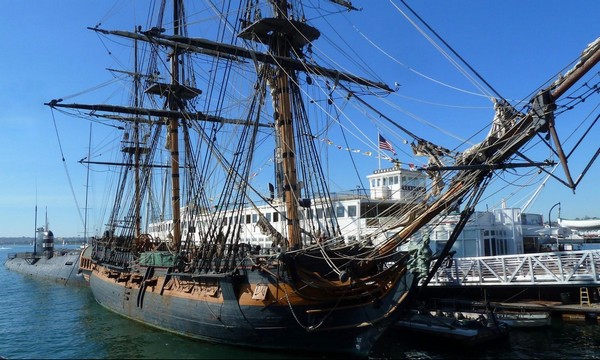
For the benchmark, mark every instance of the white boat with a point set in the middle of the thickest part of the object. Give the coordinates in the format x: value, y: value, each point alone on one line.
x: 525, y: 319
x: 514, y: 319
x: 586, y: 224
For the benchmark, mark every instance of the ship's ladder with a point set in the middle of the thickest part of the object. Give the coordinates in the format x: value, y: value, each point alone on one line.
x: 584, y: 296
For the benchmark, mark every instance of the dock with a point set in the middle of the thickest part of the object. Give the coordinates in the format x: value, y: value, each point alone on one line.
x: 570, y: 268
x: 565, y: 283
x: 566, y: 311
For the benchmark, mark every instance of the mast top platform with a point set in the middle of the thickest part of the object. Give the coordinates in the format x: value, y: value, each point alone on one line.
x: 299, y: 33
x: 181, y: 91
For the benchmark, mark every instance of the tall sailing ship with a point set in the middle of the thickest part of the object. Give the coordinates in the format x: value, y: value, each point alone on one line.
x: 223, y: 108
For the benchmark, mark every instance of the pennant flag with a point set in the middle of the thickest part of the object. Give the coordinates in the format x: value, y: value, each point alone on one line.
x: 385, y: 145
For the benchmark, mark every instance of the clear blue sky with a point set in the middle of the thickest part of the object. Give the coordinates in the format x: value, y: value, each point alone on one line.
x: 47, y: 53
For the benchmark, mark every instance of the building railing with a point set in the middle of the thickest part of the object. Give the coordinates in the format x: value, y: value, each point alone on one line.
x: 551, y: 268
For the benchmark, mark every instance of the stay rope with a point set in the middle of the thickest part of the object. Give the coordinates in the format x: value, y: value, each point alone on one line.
x: 66, y: 168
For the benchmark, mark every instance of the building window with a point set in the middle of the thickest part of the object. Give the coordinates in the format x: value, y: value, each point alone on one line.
x: 268, y: 216
x: 275, y: 217
x: 319, y: 213
x: 352, y: 210
x: 248, y: 218
x: 340, y: 211
x: 254, y: 218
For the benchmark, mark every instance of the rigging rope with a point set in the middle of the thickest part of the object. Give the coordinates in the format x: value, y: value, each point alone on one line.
x: 452, y: 50
x: 65, y: 166
x: 415, y: 71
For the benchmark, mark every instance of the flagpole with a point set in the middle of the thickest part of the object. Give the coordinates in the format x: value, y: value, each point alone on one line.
x: 378, y: 149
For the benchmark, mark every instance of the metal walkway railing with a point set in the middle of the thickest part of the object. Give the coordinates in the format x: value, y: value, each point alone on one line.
x: 551, y: 268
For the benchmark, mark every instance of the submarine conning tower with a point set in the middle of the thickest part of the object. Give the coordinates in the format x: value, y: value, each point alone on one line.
x: 48, y: 244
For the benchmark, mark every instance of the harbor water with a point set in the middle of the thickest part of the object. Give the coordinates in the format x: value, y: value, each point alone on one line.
x: 46, y: 320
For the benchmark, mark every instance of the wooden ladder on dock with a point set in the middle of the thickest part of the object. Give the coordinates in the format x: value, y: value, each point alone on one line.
x: 584, y: 296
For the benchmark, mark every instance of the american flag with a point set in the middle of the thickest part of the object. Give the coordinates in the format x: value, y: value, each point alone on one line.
x: 385, y: 145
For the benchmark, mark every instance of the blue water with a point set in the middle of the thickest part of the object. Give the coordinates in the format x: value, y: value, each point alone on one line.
x: 40, y: 319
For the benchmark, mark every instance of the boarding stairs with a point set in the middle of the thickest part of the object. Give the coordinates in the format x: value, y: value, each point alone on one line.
x: 539, y: 269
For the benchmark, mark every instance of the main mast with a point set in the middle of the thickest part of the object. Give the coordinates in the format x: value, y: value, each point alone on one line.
x: 173, y: 132
x: 284, y: 126
x: 285, y: 35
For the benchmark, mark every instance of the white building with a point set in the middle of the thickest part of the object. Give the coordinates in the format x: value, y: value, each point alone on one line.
x: 361, y: 213
x: 487, y: 233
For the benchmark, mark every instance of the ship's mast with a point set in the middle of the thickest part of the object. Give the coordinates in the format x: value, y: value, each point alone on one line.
x: 286, y: 35
x: 284, y: 125
x: 136, y: 144
x: 173, y: 132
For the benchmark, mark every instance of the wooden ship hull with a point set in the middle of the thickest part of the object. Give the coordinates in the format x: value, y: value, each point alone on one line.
x: 249, y: 308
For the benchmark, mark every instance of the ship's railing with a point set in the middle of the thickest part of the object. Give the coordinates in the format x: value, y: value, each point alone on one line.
x: 551, y: 268
x: 351, y: 194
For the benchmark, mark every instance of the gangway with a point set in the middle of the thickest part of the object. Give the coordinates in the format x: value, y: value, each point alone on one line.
x: 536, y: 269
